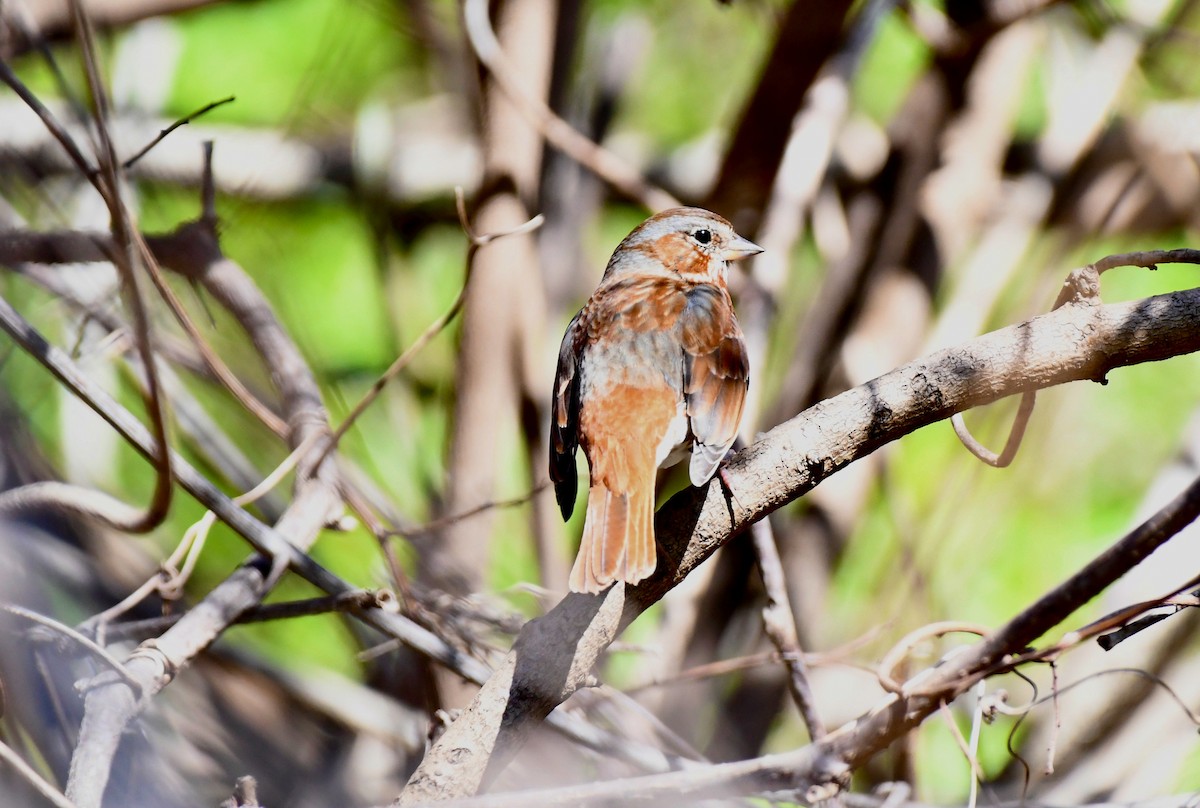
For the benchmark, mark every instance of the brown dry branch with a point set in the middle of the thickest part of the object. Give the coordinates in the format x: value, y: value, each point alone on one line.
x: 827, y: 761
x: 552, y: 658
x: 474, y: 243
x: 1086, y: 278
x: 128, y: 260
x: 779, y: 624
x: 503, y: 312
x: 174, y: 573
x: 27, y: 773
x: 352, y: 601
x: 1130, y: 626
x: 445, y: 521
x: 597, y: 159
x: 184, y: 121
x: 204, y: 250
x: 97, y: 651
x: 129, y: 257
x: 193, y: 422
x: 51, y: 19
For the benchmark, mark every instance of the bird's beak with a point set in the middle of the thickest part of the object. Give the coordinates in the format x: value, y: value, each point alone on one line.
x: 740, y: 248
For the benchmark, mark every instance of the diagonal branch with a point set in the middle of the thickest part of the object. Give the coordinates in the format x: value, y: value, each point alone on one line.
x: 552, y: 657
x: 592, y: 156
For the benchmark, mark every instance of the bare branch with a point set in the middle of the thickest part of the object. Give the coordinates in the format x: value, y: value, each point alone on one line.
x: 779, y: 623
x: 597, y: 159
x: 52, y: 794
x: 125, y: 258
x: 184, y: 121
x: 446, y: 521
x: 827, y: 760
x: 49, y: 121
x: 554, y: 653
x: 434, y: 328
x: 1078, y: 286
x: 75, y: 636
x: 353, y: 601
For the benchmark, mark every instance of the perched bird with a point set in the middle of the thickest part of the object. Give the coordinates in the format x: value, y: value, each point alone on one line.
x: 652, y: 365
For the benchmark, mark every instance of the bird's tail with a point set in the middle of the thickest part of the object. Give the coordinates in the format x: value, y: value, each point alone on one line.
x: 618, y: 539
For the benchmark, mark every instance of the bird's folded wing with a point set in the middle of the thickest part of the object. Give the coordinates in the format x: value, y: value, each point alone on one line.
x: 564, y: 420
x: 716, y: 375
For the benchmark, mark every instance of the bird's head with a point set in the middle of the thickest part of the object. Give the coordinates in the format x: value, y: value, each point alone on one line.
x: 693, y: 244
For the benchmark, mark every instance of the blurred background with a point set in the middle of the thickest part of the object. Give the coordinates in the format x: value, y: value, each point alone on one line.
x: 918, y: 172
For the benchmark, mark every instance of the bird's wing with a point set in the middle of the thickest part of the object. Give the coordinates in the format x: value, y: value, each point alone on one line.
x: 564, y: 421
x: 716, y: 375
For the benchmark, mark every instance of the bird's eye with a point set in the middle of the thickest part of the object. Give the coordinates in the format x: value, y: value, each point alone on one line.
x: 702, y: 236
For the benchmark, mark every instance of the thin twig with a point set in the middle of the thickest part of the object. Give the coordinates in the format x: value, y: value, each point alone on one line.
x: 27, y: 773
x: 1057, y: 725
x: 977, y: 774
x: 77, y: 637
x: 963, y: 745
x: 1015, y: 435
x: 1179, y: 509
x: 1081, y: 284
x: 1131, y: 627
x: 444, y: 522
x: 779, y: 623
x: 126, y: 262
x: 900, y: 651
x: 351, y: 601
x: 171, y: 577
x: 564, y: 137
x: 51, y: 123
x: 434, y: 328
x: 206, y: 250
x: 128, y: 164
x: 1148, y: 259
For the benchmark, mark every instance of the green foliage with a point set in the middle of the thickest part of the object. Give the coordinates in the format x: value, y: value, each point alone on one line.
x: 290, y: 61
x: 681, y: 91
x: 893, y: 61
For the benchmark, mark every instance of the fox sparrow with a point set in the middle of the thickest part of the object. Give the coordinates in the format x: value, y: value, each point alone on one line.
x: 653, y: 365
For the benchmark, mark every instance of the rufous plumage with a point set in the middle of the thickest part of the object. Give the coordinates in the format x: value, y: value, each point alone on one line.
x: 652, y: 366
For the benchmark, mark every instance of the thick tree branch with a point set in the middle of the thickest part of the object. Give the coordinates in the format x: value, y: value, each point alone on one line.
x: 1080, y: 341
x: 816, y: 765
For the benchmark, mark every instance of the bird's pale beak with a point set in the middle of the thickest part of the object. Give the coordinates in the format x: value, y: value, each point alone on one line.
x: 740, y: 248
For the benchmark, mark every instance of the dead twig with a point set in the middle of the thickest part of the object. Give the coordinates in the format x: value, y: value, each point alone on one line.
x: 564, y: 137
x: 50, y: 122
x: 475, y: 243
x: 175, y: 571
x: 76, y: 637
x: 900, y: 651
x: 352, y: 601
x: 1082, y: 285
x: 779, y: 624
x: 446, y: 521
x: 203, y: 250
x: 27, y: 773
x: 1176, y: 603
x: 126, y: 261
x: 185, y: 120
